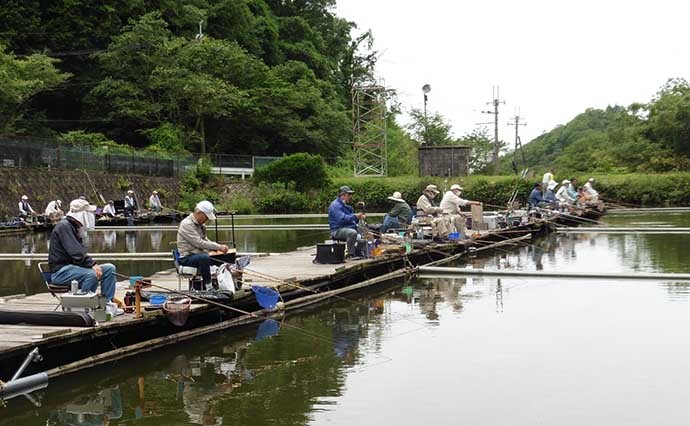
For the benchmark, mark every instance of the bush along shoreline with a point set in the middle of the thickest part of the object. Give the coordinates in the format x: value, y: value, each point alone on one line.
x: 656, y: 190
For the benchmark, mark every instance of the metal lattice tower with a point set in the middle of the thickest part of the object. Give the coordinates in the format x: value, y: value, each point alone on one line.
x: 369, y: 129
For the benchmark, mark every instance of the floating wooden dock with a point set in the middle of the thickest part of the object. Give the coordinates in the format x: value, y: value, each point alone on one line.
x: 300, y: 282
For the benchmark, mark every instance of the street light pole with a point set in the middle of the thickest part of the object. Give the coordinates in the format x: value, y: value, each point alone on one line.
x: 426, y: 89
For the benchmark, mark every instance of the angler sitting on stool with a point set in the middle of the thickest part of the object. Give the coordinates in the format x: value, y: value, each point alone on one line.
x: 342, y: 220
x: 194, y: 247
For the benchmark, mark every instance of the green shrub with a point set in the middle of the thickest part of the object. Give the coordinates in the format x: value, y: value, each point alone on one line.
x: 281, y: 198
x: 304, y: 170
x: 239, y: 203
x: 189, y: 200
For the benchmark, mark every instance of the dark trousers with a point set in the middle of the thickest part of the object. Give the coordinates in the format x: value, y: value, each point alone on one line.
x: 200, y: 261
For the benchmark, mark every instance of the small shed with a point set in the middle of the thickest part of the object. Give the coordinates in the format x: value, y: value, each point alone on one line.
x: 450, y: 160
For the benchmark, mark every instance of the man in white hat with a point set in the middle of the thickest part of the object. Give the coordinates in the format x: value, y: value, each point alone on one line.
x: 593, y: 193
x: 54, y: 211
x: 451, y: 202
x: 563, y: 195
x: 155, y: 202
x: 399, y: 216
x: 25, y: 208
x: 194, y: 247
x: 68, y: 259
x: 130, y: 203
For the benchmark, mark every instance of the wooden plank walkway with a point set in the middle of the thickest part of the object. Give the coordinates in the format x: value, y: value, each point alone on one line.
x: 296, y: 265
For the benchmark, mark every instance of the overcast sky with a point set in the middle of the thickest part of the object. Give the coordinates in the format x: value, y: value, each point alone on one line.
x: 551, y: 59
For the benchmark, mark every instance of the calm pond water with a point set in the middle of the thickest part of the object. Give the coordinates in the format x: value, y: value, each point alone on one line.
x: 449, y: 351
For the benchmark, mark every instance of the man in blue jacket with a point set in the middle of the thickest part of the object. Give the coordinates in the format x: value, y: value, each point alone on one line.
x: 535, y: 197
x: 342, y: 220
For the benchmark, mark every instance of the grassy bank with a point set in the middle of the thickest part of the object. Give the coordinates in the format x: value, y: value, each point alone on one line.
x: 672, y: 189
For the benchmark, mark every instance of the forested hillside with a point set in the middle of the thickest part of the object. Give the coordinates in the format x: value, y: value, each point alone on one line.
x: 266, y: 77
x: 652, y: 137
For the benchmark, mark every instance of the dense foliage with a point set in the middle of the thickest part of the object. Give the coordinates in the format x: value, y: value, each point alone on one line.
x: 652, y: 137
x: 304, y: 171
x: 265, y: 77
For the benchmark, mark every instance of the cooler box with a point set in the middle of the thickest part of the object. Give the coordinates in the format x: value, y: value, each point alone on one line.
x: 330, y: 253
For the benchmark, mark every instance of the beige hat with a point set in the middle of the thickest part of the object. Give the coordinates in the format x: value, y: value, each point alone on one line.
x: 432, y: 188
x: 565, y: 181
x: 155, y: 192
x: 590, y: 180
x: 24, y: 197
x: 130, y: 192
x: 397, y: 196
x: 455, y: 186
x: 80, y: 205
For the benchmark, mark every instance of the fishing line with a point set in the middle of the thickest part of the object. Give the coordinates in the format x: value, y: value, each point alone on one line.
x: 243, y: 312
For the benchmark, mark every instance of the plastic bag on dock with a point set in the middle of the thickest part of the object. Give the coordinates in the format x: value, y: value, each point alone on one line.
x: 225, y: 281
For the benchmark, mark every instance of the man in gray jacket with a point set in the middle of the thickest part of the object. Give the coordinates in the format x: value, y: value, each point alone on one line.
x: 68, y: 259
x: 195, y: 249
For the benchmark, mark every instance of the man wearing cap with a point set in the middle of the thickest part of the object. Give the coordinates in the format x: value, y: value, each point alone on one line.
x: 130, y: 203
x: 451, y: 201
x: 428, y: 211
x: 25, y: 208
x: 68, y: 259
x: 342, y: 220
x: 399, y: 216
x: 155, y: 202
x: 590, y: 190
x: 563, y: 194
x: 194, y: 247
x: 54, y: 211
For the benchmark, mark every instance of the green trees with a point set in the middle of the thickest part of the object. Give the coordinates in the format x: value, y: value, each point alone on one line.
x: 21, y: 79
x: 652, y: 137
x: 267, y: 77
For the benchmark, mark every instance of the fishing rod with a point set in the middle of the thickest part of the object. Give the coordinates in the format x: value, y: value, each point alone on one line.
x: 232, y: 308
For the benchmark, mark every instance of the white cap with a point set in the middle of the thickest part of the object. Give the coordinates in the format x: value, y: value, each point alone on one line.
x: 206, y: 208
x: 591, y: 180
x: 155, y: 192
x: 565, y: 181
x: 130, y: 192
x: 24, y: 197
x: 455, y: 186
x: 80, y: 205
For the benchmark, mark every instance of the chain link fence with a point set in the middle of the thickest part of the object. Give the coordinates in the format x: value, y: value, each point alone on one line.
x: 22, y: 153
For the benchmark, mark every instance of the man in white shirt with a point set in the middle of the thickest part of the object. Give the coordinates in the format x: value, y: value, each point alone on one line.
x: 109, y: 209
x: 155, y: 202
x: 562, y: 195
x: 548, y: 177
x: 451, y: 201
x: 591, y: 191
x: 54, y: 211
x: 450, y: 205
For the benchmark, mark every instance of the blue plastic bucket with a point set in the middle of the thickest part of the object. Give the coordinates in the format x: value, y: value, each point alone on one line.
x: 454, y: 236
x: 133, y: 280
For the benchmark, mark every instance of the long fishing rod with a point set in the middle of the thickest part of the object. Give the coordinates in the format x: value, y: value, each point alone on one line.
x: 232, y: 308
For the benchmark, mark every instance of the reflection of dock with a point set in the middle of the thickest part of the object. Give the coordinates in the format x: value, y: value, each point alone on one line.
x: 300, y: 282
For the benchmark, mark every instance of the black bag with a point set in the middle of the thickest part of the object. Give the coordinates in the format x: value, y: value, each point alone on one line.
x: 361, y: 249
x: 330, y: 253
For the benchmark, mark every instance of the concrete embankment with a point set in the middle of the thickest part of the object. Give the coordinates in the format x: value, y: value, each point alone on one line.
x: 42, y: 186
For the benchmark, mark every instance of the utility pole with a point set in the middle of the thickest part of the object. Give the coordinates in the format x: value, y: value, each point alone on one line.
x: 518, y: 144
x: 497, y: 147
